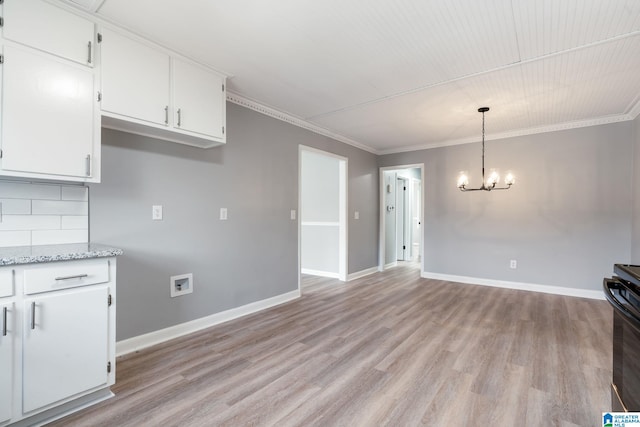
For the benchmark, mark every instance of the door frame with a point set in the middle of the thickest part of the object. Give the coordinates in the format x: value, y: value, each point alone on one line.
x: 343, y: 243
x: 381, y: 229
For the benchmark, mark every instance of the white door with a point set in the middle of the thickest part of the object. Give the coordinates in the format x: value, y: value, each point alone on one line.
x: 39, y: 24
x: 65, y: 347
x: 48, y: 120
x: 7, y: 330
x: 135, y: 79
x: 198, y: 98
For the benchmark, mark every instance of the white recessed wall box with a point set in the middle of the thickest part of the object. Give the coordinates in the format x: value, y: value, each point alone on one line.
x: 181, y: 284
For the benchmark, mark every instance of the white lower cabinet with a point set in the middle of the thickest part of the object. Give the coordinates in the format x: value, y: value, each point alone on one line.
x: 62, y: 347
x: 76, y: 321
x: 7, y: 313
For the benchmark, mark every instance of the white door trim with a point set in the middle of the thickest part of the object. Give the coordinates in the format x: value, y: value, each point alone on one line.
x: 381, y: 229
x: 343, y: 249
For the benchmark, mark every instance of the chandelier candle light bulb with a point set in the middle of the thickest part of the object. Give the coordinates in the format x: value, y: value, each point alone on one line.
x: 494, y: 178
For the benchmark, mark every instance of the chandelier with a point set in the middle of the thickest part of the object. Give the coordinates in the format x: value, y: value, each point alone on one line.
x: 492, y: 181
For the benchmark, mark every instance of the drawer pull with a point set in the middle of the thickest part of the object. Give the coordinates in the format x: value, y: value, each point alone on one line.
x: 33, y: 315
x: 4, y: 322
x: 77, y: 276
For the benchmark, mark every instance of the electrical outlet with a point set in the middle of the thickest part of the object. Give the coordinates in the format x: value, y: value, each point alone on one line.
x: 513, y: 264
x: 223, y: 214
x: 156, y: 212
x: 356, y: 215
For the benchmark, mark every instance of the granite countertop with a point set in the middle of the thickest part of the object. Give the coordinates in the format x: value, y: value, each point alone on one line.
x: 51, y: 253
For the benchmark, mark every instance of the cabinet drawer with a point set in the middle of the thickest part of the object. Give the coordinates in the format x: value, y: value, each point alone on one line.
x: 6, y: 282
x: 52, y: 277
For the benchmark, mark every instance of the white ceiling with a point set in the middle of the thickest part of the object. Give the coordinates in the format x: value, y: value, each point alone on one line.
x: 406, y: 74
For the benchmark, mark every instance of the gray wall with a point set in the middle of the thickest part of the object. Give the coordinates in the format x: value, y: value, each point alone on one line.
x: 251, y: 256
x: 566, y: 221
x: 635, y: 245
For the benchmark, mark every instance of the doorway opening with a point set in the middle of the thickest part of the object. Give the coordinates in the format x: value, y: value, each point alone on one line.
x: 401, y: 215
x: 323, y: 214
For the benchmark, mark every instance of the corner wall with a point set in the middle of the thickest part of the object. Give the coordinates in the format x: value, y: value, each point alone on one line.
x: 250, y: 257
x: 566, y: 221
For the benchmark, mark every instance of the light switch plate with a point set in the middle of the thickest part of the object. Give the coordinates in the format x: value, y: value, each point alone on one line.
x: 293, y: 214
x: 223, y: 214
x: 356, y: 215
x: 156, y: 212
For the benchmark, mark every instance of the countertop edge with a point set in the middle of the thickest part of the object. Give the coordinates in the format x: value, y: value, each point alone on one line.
x: 53, y: 253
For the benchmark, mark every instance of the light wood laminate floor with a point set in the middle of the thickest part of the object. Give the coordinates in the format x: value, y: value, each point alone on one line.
x: 389, y: 349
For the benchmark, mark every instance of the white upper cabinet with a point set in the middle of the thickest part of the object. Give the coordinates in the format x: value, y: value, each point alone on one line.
x: 50, y: 121
x: 44, y: 26
x: 135, y: 79
x: 148, y: 91
x: 199, y: 106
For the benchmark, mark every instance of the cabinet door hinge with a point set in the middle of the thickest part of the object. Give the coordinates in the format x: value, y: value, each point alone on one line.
x: 1, y: 20
x: 99, y: 96
x: 99, y: 38
x: 404, y: 248
x: 109, y: 301
x: 223, y: 87
x: 223, y: 130
x: 1, y: 59
x: 0, y: 154
x: 108, y: 367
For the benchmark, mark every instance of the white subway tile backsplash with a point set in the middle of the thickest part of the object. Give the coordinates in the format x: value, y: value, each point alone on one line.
x: 76, y: 222
x: 56, y: 237
x: 15, y: 207
x: 59, y: 207
x: 43, y: 214
x: 29, y: 222
x: 15, y: 238
x: 25, y: 190
x: 75, y: 193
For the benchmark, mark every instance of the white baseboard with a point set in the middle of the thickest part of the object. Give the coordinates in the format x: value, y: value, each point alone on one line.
x: 362, y: 273
x: 147, y: 340
x: 391, y: 264
x: 557, y: 290
x: 320, y: 273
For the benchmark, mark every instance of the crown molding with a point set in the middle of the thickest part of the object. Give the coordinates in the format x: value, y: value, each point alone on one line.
x: 634, y: 111
x: 519, y: 132
x: 296, y: 121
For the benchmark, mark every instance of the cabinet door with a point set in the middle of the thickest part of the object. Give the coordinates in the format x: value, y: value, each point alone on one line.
x: 7, y: 330
x: 65, y: 346
x: 135, y: 79
x: 48, y: 115
x: 199, y: 99
x: 41, y: 25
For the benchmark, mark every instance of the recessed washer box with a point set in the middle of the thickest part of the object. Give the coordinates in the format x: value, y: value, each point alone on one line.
x: 181, y: 284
